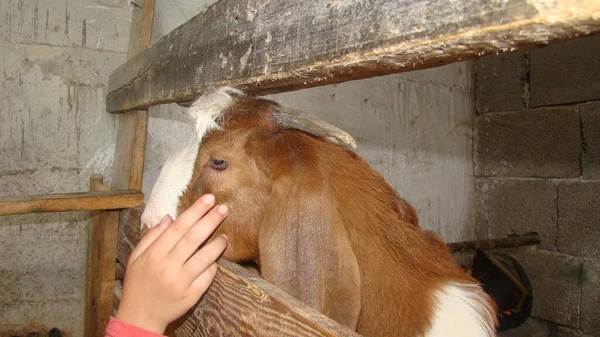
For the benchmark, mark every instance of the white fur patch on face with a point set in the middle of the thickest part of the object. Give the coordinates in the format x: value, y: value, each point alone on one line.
x: 172, y: 182
x: 462, y: 310
x: 177, y: 171
x: 206, y: 110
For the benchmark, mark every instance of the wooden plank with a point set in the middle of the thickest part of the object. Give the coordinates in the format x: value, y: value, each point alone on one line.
x: 238, y: 303
x: 130, y: 150
x: 101, y: 266
x: 67, y: 202
x: 275, y: 46
x: 129, y: 233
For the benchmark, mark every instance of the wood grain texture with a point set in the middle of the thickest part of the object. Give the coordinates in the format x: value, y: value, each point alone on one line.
x: 274, y: 46
x: 101, y: 266
x: 130, y: 150
x: 66, y: 202
x: 238, y: 303
x: 129, y: 233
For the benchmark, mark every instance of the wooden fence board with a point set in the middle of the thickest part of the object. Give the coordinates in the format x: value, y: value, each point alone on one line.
x: 66, y: 202
x: 275, y: 46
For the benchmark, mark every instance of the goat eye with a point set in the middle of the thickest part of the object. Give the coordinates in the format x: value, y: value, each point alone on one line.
x: 218, y: 164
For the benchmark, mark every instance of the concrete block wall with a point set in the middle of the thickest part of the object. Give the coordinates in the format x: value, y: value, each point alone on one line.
x: 55, y: 58
x: 537, y: 168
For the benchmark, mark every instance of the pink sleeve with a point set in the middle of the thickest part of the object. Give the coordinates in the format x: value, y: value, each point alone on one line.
x: 116, y: 328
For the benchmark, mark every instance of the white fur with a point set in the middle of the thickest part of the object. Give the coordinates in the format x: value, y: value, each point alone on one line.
x: 171, y: 183
x: 206, y: 110
x: 462, y: 310
x: 177, y: 171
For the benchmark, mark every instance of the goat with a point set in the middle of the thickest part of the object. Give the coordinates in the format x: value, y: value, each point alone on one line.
x: 319, y: 222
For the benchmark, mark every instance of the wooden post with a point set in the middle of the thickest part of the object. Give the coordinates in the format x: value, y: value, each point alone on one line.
x: 128, y: 170
x: 102, y: 253
x: 131, y: 137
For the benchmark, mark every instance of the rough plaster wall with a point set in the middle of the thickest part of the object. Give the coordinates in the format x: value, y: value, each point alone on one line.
x: 414, y: 128
x: 55, y: 58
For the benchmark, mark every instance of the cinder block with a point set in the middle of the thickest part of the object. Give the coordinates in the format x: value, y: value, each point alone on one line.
x: 590, y: 298
x: 529, y: 143
x: 565, y: 72
x: 500, y: 82
x: 579, y: 219
x: 562, y: 331
x: 531, y: 328
x: 556, y: 282
x: 515, y: 206
x: 590, y: 123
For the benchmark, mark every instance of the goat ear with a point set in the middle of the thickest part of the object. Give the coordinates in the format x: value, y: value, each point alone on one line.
x: 305, y: 249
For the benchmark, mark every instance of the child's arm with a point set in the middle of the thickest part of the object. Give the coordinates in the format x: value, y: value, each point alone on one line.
x: 166, y: 273
x: 116, y: 328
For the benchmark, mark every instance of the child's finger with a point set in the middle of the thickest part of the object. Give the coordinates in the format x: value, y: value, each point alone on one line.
x: 205, y: 257
x: 198, y: 234
x: 186, y: 220
x: 149, y: 238
x: 202, y: 282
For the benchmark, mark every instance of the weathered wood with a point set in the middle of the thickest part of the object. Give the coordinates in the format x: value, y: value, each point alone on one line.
x: 130, y: 150
x: 238, y: 303
x: 511, y: 241
x: 101, y: 266
x: 119, y: 271
x: 66, y: 202
x: 129, y: 233
x: 140, y: 35
x: 275, y: 46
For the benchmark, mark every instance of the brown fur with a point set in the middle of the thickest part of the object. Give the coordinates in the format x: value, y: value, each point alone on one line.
x: 321, y: 224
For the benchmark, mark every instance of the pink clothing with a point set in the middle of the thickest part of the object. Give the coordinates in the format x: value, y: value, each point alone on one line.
x: 116, y: 328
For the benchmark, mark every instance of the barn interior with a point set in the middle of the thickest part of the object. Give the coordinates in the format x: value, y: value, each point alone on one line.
x: 503, y: 144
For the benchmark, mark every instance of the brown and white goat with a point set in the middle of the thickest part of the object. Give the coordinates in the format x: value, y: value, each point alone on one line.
x: 319, y: 221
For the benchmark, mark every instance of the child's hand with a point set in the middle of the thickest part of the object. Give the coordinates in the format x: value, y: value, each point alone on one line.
x: 165, y: 275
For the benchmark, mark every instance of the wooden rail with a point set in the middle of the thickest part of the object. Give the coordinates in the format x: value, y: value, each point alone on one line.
x: 66, y: 202
x: 276, y: 46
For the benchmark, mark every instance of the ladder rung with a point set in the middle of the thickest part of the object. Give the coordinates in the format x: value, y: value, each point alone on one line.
x: 65, y: 202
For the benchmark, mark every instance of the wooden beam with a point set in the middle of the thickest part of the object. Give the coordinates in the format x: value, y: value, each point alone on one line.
x: 276, y: 46
x: 238, y: 303
x: 101, y: 266
x: 67, y: 202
